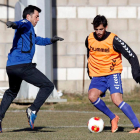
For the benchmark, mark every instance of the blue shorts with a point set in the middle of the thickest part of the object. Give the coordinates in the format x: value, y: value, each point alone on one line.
x: 112, y: 82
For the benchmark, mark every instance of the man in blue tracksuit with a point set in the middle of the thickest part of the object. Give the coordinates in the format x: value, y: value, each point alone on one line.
x: 20, y: 67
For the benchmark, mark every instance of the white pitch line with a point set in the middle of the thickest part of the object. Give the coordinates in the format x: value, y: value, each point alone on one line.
x: 11, y: 128
x: 59, y: 111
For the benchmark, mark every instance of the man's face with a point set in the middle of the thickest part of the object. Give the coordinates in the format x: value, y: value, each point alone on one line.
x: 100, y: 31
x: 33, y: 18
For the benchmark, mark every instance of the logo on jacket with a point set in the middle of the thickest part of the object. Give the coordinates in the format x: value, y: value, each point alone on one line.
x: 24, y: 21
x: 116, y: 82
x: 113, y: 64
x: 100, y: 49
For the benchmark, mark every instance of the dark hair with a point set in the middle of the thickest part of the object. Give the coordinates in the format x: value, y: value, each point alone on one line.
x: 99, y: 20
x: 30, y: 10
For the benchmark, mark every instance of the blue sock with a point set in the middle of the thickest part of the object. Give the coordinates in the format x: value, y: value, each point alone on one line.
x: 100, y: 105
x: 127, y: 110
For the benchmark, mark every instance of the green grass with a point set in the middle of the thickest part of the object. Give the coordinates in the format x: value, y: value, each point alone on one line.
x: 62, y: 126
x: 68, y: 121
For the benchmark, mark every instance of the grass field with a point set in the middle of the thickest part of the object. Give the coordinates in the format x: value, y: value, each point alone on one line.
x: 68, y: 121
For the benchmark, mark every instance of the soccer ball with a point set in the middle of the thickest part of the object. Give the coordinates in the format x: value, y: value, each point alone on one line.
x: 95, y: 125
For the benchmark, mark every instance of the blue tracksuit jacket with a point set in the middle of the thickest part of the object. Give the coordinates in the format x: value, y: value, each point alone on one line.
x: 24, y: 41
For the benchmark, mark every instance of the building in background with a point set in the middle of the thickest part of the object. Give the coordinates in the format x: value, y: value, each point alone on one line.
x: 71, y: 19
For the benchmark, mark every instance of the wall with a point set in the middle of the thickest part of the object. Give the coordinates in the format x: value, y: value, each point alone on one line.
x: 72, y: 20
x: 6, y: 37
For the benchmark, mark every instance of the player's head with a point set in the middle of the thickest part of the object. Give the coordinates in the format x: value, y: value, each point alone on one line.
x: 100, y: 25
x: 31, y: 13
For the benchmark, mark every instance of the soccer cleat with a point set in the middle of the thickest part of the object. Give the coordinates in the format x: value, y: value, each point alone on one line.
x: 0, y: 126
x: 114, y: 124
x: 31, y: 117
x: 135, y: 130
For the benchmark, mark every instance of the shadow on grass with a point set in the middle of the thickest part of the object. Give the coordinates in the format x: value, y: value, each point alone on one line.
x: 35, y: 130
x: 120, y: 129
x: 39, y: 129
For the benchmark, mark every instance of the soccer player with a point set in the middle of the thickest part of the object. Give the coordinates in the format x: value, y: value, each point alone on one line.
x: 20, y: 67
x: 105, y: 67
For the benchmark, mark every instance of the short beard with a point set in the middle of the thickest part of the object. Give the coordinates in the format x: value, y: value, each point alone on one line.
x: 102, y: 35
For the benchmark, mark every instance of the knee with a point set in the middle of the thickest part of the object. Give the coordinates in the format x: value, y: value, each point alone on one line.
x: 48, y: 85
x: 116, y: 98
x: 117, y: 101
x: 92, y: 96
x: 52, y: 87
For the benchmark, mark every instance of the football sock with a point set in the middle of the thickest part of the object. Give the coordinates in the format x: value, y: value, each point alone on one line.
x: 127, y: 110
x: 100, y: 105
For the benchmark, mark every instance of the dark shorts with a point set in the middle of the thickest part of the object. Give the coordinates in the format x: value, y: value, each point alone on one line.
x: 111, y: 82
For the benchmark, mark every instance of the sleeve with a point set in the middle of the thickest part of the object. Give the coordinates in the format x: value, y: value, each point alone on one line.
x: 23, y: 25
x: 42, y: 41
x: 86, y: 44
x: 121, y: 47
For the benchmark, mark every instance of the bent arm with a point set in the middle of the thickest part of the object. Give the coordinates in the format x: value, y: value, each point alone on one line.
x: 121, y: 47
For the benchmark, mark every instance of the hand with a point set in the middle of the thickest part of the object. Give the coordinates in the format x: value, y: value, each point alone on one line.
x: 11, y: 24
x: 56, y: 38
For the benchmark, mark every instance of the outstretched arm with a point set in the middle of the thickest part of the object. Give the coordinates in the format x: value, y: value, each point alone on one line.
x: 47, y: 41
x: 24, y: 25
x: 11, y: 24
x: 42, y: 41
x: 120, y: 46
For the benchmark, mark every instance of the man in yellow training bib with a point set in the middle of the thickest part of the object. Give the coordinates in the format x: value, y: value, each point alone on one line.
x: 105, y: 67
